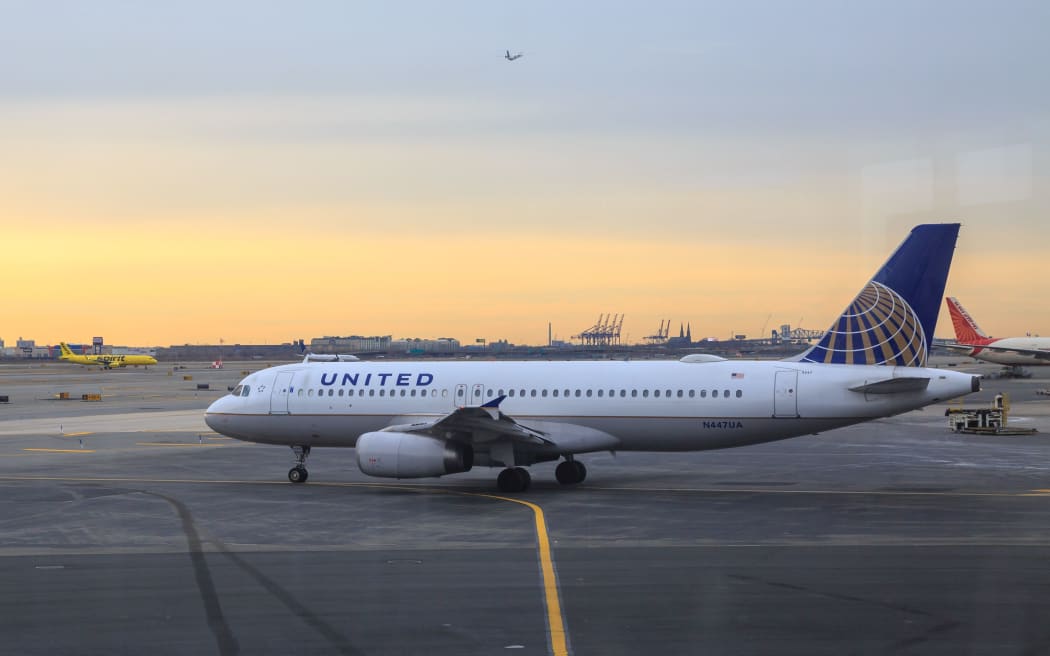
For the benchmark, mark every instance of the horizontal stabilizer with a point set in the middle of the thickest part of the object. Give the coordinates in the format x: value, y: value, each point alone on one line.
x: 893, y: 386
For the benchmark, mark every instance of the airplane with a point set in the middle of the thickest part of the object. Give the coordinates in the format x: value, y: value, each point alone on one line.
x: 105, y: 361
x: 1010, y: 351
x: 425, y: 419
x: 510, y: 57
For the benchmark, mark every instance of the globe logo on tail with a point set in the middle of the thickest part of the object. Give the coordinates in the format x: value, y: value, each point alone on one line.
x: 878, y: 327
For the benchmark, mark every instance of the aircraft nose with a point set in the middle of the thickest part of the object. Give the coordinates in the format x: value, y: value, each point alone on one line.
x: 213, y: 415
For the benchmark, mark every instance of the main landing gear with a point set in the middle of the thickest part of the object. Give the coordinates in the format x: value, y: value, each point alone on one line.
x: 298, y: 474
x: 514, y: 479
x: 570, y: 472
x: 517, y: 479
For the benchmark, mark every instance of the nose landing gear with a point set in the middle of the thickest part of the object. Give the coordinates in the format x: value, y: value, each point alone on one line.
x: 298, y: 473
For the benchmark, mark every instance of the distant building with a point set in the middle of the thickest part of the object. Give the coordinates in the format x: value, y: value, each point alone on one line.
x: 352, y: 344
x: 685, y: 337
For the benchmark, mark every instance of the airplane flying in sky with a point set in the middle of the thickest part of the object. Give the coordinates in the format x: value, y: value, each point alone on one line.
x: 510, y: 57
x: 1010, y: 351
x: 105, y: 361
x: 422, y: 419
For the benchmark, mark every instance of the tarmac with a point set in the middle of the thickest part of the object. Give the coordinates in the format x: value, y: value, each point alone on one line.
x: 127, y: 526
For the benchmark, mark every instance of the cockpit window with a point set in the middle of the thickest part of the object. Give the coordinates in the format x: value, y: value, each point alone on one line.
x: 247, y: 389
x: 237, y: 390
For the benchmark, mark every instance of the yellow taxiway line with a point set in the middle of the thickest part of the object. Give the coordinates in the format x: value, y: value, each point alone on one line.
x: 194, y: 444
x: 551, y: 594
x: 62, y: 450
x: 555, y: 617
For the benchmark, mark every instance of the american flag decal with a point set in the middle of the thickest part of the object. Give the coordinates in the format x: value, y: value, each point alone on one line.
x: 736, y: 375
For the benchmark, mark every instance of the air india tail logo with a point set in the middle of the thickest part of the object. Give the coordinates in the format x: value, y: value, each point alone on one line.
x: 879, y: 327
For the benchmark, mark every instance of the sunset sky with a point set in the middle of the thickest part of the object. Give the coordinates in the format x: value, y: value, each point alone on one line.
x: 183, y: 172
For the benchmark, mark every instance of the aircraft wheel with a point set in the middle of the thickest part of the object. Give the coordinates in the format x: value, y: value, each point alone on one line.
x: 513, y: 479
x: 570, y: 472
x: 298, y: 474
x: 581, y: 471
x: 565, y: 472
x: 524, y: 478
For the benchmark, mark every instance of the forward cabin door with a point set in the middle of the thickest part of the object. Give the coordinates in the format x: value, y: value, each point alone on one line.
x: 281, y: 391
x: 785, y: 394
x: 460, y: 400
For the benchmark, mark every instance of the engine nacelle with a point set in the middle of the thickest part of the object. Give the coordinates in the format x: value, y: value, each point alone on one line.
x: 404, y: 455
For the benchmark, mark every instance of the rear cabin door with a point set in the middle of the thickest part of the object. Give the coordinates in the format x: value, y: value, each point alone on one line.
x: 281, y: 391
x: 785, y: 394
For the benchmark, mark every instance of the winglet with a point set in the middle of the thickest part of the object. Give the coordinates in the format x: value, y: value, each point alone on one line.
x: 492, y: 407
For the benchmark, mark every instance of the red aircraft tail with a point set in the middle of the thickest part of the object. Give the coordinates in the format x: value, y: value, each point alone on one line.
x: 966, y: 329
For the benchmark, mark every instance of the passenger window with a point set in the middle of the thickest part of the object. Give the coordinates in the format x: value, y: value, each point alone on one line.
x: 501, y: 392
x: 601, y: 393
x: 413, y: 392
x: 588, y: 394
x: 645, y: 393
x: 522, y: 392
x: 490, y: 394
x: 331, y: 392
x: 578, y: 392
x: 679, y: 393
x: 382, y: 392
x: 555, y: 393
x: 656, y: 394
x: 623, y: 393
x: 725, y: 394
x: 301, y: 392
x: 692, y: 393
x: 402, y: 392
x: 371, y: 392
x: 459, y: 392
x: 739, y: 393
x: 634, y: 393
x: 667, y: 393
x: 340, y: 391
x: 512, y: 392
x: 543, y: 393
x: 612, y: 393
x: 444, y: 393
x: 350, y: 392
x: 532, y: 393
x: 703, y: 394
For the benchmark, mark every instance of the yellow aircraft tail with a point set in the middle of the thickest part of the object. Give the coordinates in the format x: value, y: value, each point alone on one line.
x: 66, y: 351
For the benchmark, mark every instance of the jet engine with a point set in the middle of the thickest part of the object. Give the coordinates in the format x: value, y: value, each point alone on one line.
x: 404, y: 455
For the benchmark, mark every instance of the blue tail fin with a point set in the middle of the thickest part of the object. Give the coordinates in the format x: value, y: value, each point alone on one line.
x: 892, y: 319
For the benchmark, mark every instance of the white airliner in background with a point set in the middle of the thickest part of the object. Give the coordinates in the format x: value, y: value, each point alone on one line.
x: 1010, y: 351
x: 422, y: 419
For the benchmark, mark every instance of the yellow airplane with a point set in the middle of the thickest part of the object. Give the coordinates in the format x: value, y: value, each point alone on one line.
x: 105, y: 361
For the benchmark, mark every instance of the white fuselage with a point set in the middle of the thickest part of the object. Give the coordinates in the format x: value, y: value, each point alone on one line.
x: 641, y: 406
x: 1009, y: 357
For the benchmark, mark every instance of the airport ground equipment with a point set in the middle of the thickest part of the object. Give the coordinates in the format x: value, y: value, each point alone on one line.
x: 985, y: 421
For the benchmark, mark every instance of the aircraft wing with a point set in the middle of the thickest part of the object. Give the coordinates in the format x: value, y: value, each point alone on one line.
x: 1031, y: 352
x: 483, y: 423
x: 968, y: 349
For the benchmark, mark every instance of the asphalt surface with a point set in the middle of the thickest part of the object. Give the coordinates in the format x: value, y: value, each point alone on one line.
x: 126, y: 526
